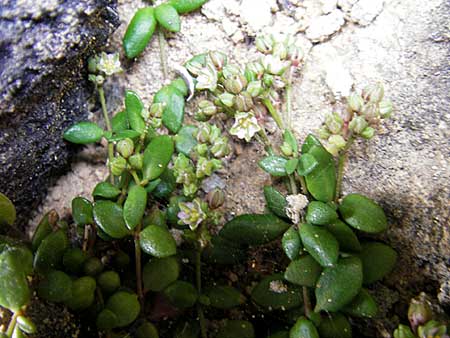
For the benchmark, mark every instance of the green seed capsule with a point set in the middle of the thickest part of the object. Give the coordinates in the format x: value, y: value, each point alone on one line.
x: 139, y: 32
x: 320, y: 213
x: 320, y: 244
x: 167, y: 16
x: 186, y: 6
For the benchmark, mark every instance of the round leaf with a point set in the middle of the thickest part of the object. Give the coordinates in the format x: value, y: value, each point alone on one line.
x: 181, y: 294
x: 335, y: 325
x: 106, y: 190
x: 157, y: 241
x: 82, y: 211
x: 109, y: 218
x: 344, y: 235
x: 125, y: 306
x: 185, y: 140
x: 7, y: 210
x: 378, y: 260
x: 363, y: 305
x: 134, y: 108
x: 43, y: 229
x: 237, y: 328
x: 173, y: 113
x: 320, y: 213
x: 55, y: 287
x: 321, y: 182
x: 254, y: 229
x: 147, y: 330
x: 291, y: 243
x: 224, y: 297
x: 338, y: 285
x: 83, y: 290
x: 108, y: 281
x: 83, y: 133
x: 291, y: 165
x: 274, y: 165
x: 139, y: 32
x: 134, y: 207
x: 306, y: 164
x: 363, y: 213
x: 50, y: 253
x: 186, y: 6
x: 303, y: 271
x: 276, y: 202
x: 14, y: 290
x: 106, y: 320
x: 303, y: 328
x: 167, y: 16
x: 159, y: 273
x: 320, y: 244
x: 157, y: 156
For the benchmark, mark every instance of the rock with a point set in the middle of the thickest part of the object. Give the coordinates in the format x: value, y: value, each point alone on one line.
x: 323, y: 26
x: 213, y: 10
x: 256, y: 13
x: 229, y: 27
x: 328, y: 6
x: 346, y: 5
x: 365, y: 11
x: 43, y: 88
x: 338, y: 79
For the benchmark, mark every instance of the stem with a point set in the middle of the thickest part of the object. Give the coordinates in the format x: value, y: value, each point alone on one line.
x: 12, y: 324
x: 265, y: 140
x: 303, y: 185
x: 306, y: 301
x: 289, y: 101
x: 341, y: 166
x: 273, y: 112
x: 292, y: 185
x: 137, y: 252
x: 162, y: 53
x: 198, y: 281
x: 135, y: 177
x: 123, y: 193
x: 101, y: 93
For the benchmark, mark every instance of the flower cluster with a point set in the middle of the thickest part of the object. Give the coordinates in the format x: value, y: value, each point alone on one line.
x: 103, y: 66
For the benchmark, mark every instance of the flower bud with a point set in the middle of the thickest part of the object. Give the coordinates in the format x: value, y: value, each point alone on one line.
x: 254, y: 88
x: 334, y: 123
x: 136, y: 161
x: 268, y: 80
x: 432, y: 329
x: 92, y: 64
x: 215, y: 134
x: 256, y: 68
x: 368, y: 133
x: 278, y: 82
x: 373, y: 92
x: 295, y: 54
x: 279, y: 50
x: 264, y: 43
x: 203, y: 132
x: 286, y: 149
x: 156, y: 109
x: 419, y: 311
x: 243, y: 102
x: 125, y: 147
x: 220, y: 148
x: 323, y: 133
x: 227, y: 99
x: 201, y: 149
x: 358, y: 124
x: 370, y: 110
x: 338, y: 141
x: 231, y: 70
x: 355, y: 102
x: 403, y: 332
x: 194, y: 67
x: 236, y: 84
x: 215, y: 198
x: 385, y: 108
x: 189, y: 189
x: 218, y: 59
x: 207, y: 78
x: 207, y: 108
x: 156, y: 123
x: 118, y: 165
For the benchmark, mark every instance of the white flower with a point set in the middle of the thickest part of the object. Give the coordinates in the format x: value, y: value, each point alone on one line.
x: 192, y: 213
x: 274, y: 65
x: 109, y: 64
x: 245, y: 126
x: 207, y: 79
x: 295, y: 206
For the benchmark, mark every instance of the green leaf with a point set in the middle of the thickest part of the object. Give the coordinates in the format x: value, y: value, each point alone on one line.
x: 109, y: 218
x: 134, y: 207
x: 321, y: 182
x: 320, y: 213
x: 55, y: 287
x: 291, y: 243
x: 378, y: 260
x: 167, y: 16
x: 173, y: 113
x: 155, y: 217
x: 310, y: 141
x: 123, y: 134
x: 306, y: 164
x: 7, y: 210
x: 106, y: 190
x: 280, y: 334
x: 185, y: 140
x: 18, y: 254
x: 403, y: 331
x: 224, y: 297
x: 304, y: 271
x: 344, y: 235
x: 320, y: 244
x: 335, y: 325
x: 106, y: 320
x: 181, y: 294
x: 83, y: 291
x: 166, y: 185
x: 14, y: 290
x: 43, y: 229
x: 82, y: 211
x: 189, y: 329
x: 134, y: 108
x: 338, y: 285
x: 93, y: 266
x: 223, y: 251
x: 157, y: 241
x: 363, y: 305
x: 139, y: 32
x: 159, y: 273
x: 74, y: 259
x: 180, y: 85
x: 237, y: 328
x: 362, y: 213
x: 26, y: 325
x: 290, y: 139
x: 108, y: 281
x: 291, y: 165
x: 274, y: 293
x: 125, y: 306
x: 303, y: 328
x: 157, y: 156
x: 50, y: 253
x: 274, y: 165
x: 173, y: 209
x: 83, y: 133
x: 120, y: 122
x: 276, y: 202
x: 147, y: 330
x: 186, y: 6
x: 254, y: 229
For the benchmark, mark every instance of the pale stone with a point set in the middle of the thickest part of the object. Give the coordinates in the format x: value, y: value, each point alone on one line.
x: 229, y: 27
x: 338, y: 79
x: 257, y: 14
x: 324, y: 26
x: 365, y: 11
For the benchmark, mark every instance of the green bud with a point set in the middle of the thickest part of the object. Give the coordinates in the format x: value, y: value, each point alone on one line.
x: 403, y: 332
x: 286, y: 149
x: 207, y: 108
x: 156, y: 109
x: 218, y: 59
x: 334, y: 123
x: 156, y: 123
x: 203, y: 133
x: 194, y: 67
x: 256, y: 68
x: 136, y: 161
x: 99, y: 79
x: 92, y: 65
x: 199, y: 116
x: 235, y: 84
x: 368, y: 133
x: 370, y: 110
x: 190, y: 189
x: 243, y: 102
x: 419, y: 311
x: 254, y: 88
x: 264, y: 43
x: 227, y: 99
x: 220, y: 148
x: 206, y: 167
x: 118, y: 165
x: 338, y: 141
x: 268, y: 80
x: 230, y: 71
x: 201, y: 149
x: 373, y: 92
x: 280, y: 50
x: 385, y: 108
x: 355, y: 102
x: 215, y: 198
x: 125, y: 147
x: 432, y: 329
x: 358, y: 124
x: 324, y: 133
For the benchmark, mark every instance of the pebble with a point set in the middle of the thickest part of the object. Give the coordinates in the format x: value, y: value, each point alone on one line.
x: 257, y: 14
x: 328, y: 6
x: 323, y: 26
x: 229, y: 26
x: 365, y: 11
x: 338, y: 79
x: 238, y: 37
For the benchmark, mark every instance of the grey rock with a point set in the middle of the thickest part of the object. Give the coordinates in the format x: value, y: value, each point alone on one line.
x: 43, y: 89
x: 322, y: 27
x: 365, y: 11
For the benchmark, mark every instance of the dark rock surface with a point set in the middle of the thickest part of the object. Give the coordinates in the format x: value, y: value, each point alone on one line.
x: 43, y: 87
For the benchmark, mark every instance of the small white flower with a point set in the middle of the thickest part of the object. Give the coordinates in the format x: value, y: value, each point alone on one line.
x: 295, y: 206
x: 274, y: 65
x: 245, y: 126
x: 109, y: 64
x: 207, y: 79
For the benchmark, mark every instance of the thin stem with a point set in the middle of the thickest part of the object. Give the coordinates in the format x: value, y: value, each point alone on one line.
x: 303, y: 185
x: 137, y: 252
x: 343, y: 156
x: 265, y: 140
x: 306, y: 301
x: 101, y: 93
x: 12, y: 324
x: 289, y: 101
x: 135, y: 177
x: 202, y: 319
x: 162, y: 53
x: 198, y: 282
x: 123, y: 193
x: 273, y: 112
x: 293, y: 185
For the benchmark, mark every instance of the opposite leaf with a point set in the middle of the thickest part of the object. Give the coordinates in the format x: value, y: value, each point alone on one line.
x: 274, y: 165
x: 157, y: 241
x: 7, y: 210
x: 157, y: 156
x: 83, y: 133
x: 173, y: 113
x: 109, y: 218
x: 134, y: 207
x: 168, y: 17
x: 320, y: 244
x: 134, y: 108
x: 186, y: 6
x: 139, y: 32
